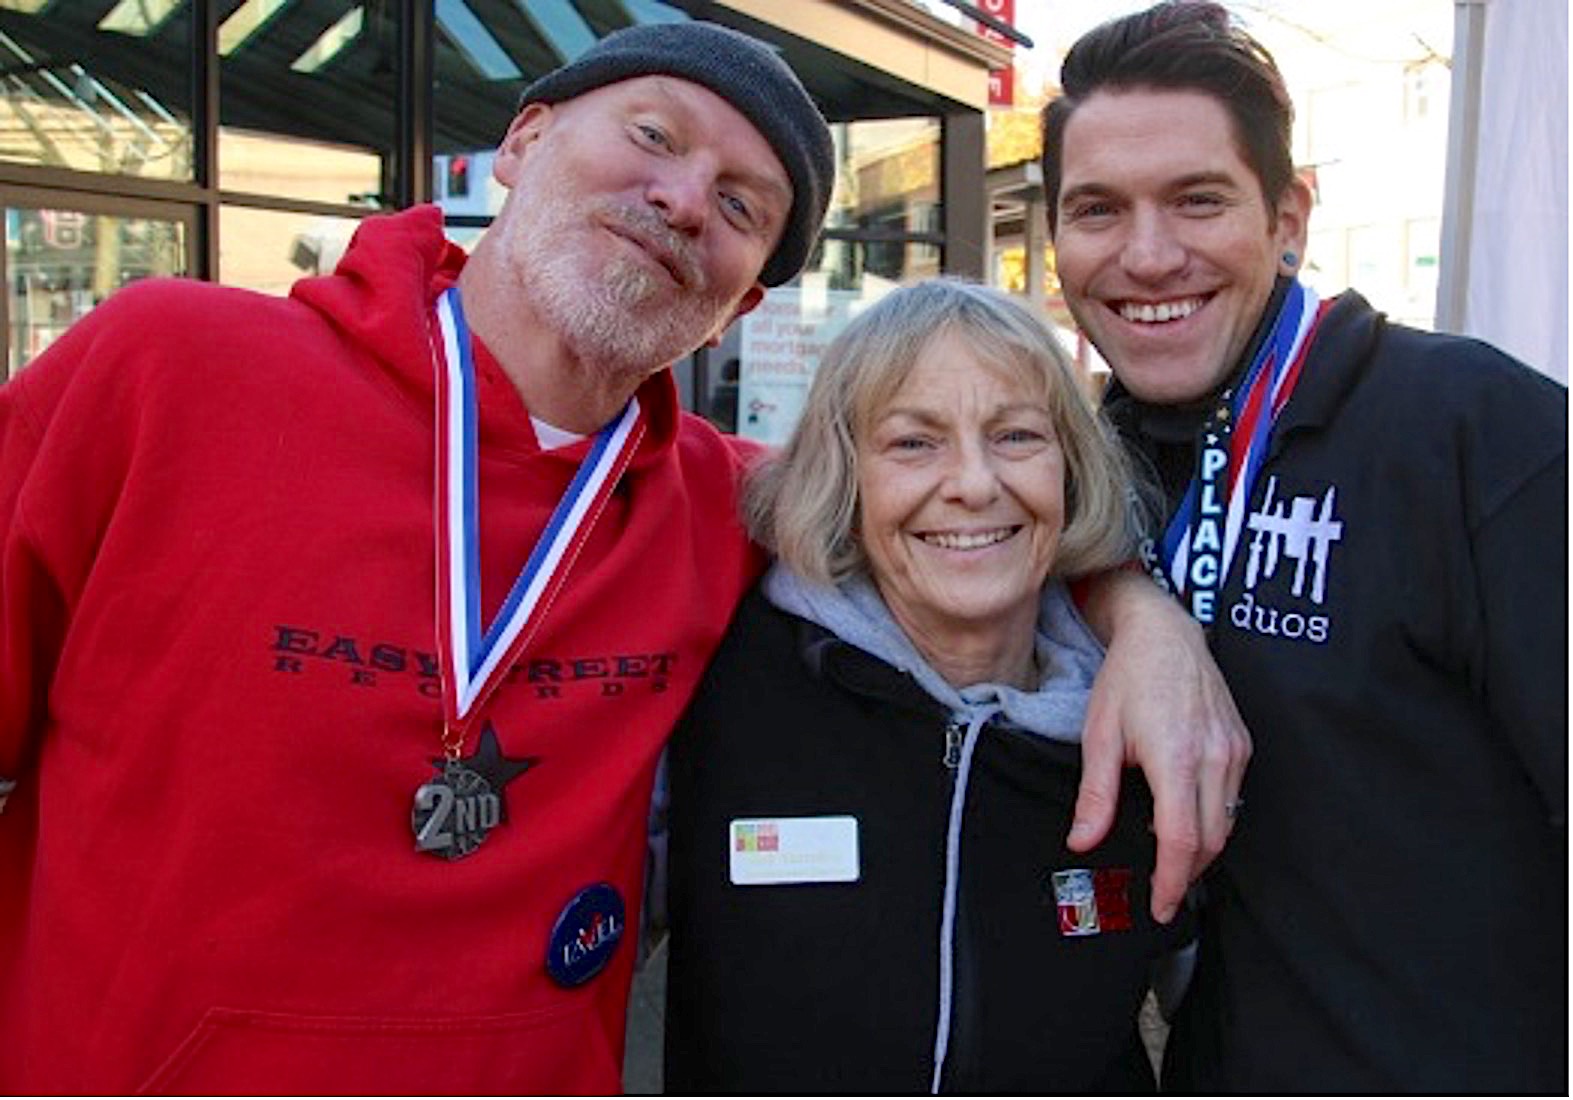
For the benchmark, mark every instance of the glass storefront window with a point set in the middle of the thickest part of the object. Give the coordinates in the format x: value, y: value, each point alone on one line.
x: 848, y: 264
x: 61, y: 263
x: 888, y: 179
x: 462, y: 184
x: 484, y: 57
x: 308, y: 100
x: 754, y: 383
x: 268, y: 250
x: 97, y: 90
x: 270, y: 164
x: 1422, y: 256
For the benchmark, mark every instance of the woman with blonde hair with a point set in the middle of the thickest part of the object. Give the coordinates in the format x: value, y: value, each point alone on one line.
x: 869, y: 888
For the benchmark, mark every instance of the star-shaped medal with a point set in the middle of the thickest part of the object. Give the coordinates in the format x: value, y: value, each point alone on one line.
x: 454, y: 812
x: 491, y: 765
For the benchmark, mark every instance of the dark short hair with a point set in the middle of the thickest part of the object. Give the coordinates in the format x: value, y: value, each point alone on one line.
x: 1179, y: 45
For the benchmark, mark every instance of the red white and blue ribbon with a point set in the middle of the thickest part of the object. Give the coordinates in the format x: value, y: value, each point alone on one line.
x: 1198, y: 545
x: 475, y: 660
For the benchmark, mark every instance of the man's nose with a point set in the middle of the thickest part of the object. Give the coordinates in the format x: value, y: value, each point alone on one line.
x: 681, y: 191
x: 1152, y: 251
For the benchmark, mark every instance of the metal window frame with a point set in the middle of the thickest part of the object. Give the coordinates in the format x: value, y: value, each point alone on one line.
x: 200, y: 198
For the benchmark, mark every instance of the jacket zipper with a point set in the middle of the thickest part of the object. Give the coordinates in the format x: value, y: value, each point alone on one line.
x: 955, y: 734
x: 955, y: 738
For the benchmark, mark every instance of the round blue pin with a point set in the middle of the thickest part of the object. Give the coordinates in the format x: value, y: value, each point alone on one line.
x: 586, y: 934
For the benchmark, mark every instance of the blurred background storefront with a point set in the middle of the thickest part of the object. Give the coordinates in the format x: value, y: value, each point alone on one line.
x: 241, y: 141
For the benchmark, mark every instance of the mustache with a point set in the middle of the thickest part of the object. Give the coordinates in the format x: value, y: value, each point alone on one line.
x: 650, y: 231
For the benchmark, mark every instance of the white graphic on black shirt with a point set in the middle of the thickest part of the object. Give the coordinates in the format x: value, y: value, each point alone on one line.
x: 1301, y: 531
x: 1304, y: 536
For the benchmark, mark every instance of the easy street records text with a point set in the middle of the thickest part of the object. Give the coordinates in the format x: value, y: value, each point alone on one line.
x: 367, y: 662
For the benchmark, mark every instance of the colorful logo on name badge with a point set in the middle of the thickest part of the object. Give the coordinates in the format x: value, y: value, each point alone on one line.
x: 586, y: 935
x: 758, y: 837
x: 1093, y: 901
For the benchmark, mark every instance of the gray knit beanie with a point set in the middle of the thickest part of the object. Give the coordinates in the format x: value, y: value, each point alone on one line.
x: 748, y: 75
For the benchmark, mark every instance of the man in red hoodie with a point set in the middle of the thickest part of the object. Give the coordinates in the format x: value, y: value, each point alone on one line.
x: 340, y: 634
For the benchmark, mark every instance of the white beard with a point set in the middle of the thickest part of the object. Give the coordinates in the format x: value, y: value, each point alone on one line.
x: 624, y: 318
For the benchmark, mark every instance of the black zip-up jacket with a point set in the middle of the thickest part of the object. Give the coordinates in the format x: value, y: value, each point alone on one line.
x: 1390, y: 914
x: 833, y: 987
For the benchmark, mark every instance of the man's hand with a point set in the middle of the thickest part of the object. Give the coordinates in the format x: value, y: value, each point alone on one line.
x: 1159, y: 702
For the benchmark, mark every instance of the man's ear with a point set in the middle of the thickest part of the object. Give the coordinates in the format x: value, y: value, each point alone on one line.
x: 746, y: 304
x: 528, y: 125
x: 1292, y: 218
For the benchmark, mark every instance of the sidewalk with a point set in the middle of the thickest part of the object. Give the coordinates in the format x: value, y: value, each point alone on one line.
x: 646, y: 1026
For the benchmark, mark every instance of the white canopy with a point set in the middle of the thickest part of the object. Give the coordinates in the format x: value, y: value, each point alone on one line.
x: 1504, y: 263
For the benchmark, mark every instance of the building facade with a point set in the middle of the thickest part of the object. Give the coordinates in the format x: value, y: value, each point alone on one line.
x: 241, y: 141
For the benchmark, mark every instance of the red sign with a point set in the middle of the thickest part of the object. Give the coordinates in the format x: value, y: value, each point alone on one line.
x: 1002, y: 82
x: 1002, y: 87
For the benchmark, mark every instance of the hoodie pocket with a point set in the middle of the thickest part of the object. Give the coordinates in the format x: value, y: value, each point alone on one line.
x: 559, y: 1049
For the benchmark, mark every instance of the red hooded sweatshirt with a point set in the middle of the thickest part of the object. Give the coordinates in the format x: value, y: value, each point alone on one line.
x: 219, y: 693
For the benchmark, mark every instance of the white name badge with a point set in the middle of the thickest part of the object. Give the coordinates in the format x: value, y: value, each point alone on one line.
x: 771, y: 851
